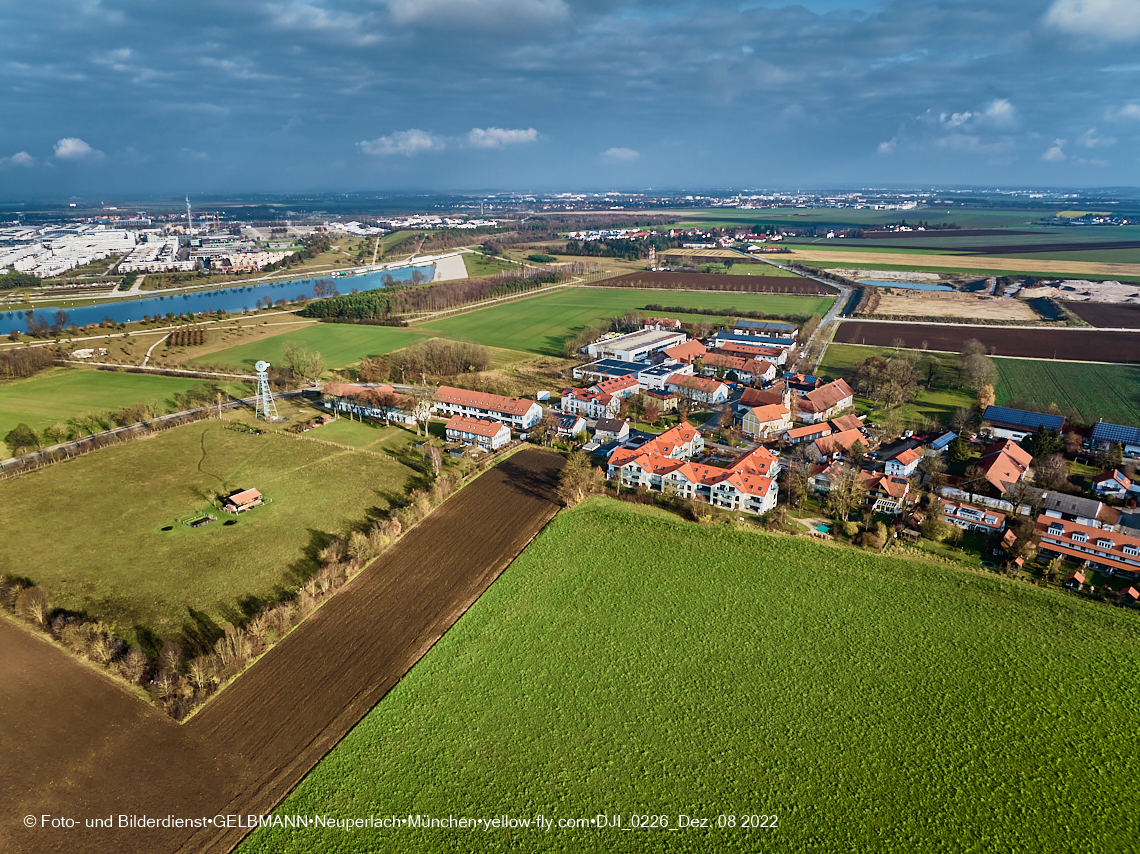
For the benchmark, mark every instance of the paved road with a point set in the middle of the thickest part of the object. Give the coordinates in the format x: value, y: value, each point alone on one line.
x: 827, y: 325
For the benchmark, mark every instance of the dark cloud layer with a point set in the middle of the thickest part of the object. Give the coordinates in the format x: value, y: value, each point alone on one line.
x: 283, y: 95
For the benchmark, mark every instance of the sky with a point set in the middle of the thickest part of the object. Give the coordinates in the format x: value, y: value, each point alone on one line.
x: 136, y: 97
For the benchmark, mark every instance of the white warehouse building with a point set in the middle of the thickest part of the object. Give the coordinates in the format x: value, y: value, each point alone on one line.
x: 636, y: 346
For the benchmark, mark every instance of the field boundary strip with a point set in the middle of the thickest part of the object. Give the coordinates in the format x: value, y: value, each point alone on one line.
x: 992, y: 355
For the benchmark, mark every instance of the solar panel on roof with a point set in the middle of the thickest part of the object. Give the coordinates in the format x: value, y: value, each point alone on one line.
x: 1021, y: 418
x: 1105, y: 432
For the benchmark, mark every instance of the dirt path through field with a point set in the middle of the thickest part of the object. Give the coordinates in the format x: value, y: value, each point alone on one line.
x: 77, y: 746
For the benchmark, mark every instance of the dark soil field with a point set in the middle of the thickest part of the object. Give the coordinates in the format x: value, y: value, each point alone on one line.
x: 942, y: 232
x: 1069, y: 344
x: 79, y: 746
x: 1108, y: 315
x: 720, y: 282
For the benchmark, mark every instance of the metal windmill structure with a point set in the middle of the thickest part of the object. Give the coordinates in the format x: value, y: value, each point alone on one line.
x: 264, y: 407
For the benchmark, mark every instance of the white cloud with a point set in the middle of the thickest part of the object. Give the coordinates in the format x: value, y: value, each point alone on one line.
x: 1000, y: 113
x: 483, y: 14
x: 73, y: 148
x: 1115, y: 20
x: 406, y: 142
x: 1128, y: 111
x: 887, y: 146
x: 20, y: 158
x: 620, y: 155
x: 1055, y: 154
x: 498, y: 137
x: 190, y: 154
x: 1089, y: 139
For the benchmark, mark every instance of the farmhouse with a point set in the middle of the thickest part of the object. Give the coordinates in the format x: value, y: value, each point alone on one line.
x: 766, y: 422
x: 971, y: 518
x: 745, y: 370
x: 825, y: 402
x: 515, y: 412
x: 662, y: 323
x: 488, y: 435
x: 846, y: 422
x: 591, y: 403
x: 763, y: 397
x: 245, y: 499
x: 904, y: 463
x: 1104, y: 434
x: 1111, y: 553
x: 636, y: 346
x: 698, y: 389
x: 761, y: 327
x: 1004, y: 464
x: 1016, y: 424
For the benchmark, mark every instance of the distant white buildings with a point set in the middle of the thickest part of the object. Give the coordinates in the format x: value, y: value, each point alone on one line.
x: 54, y: 250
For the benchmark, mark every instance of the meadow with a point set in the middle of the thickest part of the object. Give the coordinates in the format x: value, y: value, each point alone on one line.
x: 1086, y: 391
x: 867, y: 702
x: 93, y: 535
x: 341, y: 344
x: 542, y: 324
x: 63, y: 393
x: 534, y: 325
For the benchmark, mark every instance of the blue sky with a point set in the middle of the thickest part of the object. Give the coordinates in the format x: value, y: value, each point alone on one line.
x: 294, y: 95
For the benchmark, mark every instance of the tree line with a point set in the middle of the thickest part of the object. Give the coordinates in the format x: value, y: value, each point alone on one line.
x: 187, y: 336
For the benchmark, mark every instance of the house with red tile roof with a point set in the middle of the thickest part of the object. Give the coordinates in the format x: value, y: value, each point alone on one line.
x: 763, y: 397
x: 589, y: 402
x: 619, y: 387
x: 1113, y: 483
x: 886, y: 493
x: 837, y: 444
x: 825, y: 402
x: 807, y: 433
x: 1109, y: 552
x: 904, y: 463
x: 670, y: 323
x: 748, y: 485
x: 686, y: 352
x: 1005, y: 463
x: 516, y: 412
x: 766, y: 422
x: 676, y: 443
x: 488, y: 435
x: 698, y: 389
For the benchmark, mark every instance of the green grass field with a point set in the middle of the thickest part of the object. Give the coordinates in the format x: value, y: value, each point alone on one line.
x: 542, y: 324
x: 90, y: 530
x: 60, y: 394
x: 1086, y: 391
x: 340, y: 343
x: 937, y: 403
x: 478, y: 264
x: 632, y: 664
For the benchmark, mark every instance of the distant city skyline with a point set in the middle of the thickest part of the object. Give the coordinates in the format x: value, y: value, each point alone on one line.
x: 539, y: 95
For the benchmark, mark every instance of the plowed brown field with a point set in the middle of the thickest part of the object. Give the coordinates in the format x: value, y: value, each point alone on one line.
x: 77, y: 746
x: 1072, y: 344
x: 1107, y: 314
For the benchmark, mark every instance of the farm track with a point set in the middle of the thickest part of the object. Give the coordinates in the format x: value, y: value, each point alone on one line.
x: 78, y: 745
x: 1064, y: 343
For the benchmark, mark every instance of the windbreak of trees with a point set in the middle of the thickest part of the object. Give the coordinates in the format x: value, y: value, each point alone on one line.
x: 439, y: 357
x: 631, y: 249
x: 16, y: 279
x: 25, y: 363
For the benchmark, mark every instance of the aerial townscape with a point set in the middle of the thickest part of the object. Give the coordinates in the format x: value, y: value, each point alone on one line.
x: 418, y: 434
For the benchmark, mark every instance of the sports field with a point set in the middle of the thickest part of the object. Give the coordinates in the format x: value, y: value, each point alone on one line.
x: 90, y: 530
x: 542, y: 324
x: 632, y: 664
x: 340, y: 343
x: 1086, y: 391
x: 60, y: 394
